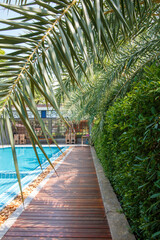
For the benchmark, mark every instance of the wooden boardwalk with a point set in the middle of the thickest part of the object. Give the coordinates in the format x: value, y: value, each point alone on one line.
x: 67, y: 207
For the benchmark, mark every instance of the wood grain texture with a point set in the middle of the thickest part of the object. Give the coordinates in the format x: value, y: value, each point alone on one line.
x: 67, y: 207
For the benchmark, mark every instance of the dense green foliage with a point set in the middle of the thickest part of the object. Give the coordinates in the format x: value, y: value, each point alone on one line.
x: 128, y: 148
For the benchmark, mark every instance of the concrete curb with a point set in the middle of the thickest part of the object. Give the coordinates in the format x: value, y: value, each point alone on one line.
x: 117, y: 221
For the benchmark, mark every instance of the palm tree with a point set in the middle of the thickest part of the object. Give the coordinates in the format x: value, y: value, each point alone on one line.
x: 106, y: 85
x: 60, y: 42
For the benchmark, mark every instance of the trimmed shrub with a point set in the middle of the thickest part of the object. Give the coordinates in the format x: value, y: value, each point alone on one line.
x: 129, y: 149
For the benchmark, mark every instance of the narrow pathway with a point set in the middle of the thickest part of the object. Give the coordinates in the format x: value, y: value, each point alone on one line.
x: 67, y: 207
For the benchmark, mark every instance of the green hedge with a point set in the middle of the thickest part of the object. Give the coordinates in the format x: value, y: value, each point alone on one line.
x: 129, y: 149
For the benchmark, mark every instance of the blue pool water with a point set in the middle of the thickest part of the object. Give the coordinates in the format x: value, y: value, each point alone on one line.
x: 28, y: 166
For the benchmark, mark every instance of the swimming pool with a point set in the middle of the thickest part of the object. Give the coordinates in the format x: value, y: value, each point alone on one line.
x: 28, y: 166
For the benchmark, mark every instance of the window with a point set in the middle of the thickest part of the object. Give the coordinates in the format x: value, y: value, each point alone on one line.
x: 43, y: 114
x: 58, y: 127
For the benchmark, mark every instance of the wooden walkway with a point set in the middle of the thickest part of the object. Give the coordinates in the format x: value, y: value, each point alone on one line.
x: 67, y: 207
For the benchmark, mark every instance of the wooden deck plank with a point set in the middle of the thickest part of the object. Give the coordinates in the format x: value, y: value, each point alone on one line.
x: 63, y: 214
x: 64, y: 224
x: 42, y: 238
x: 58, y: 234
x: 67, y: 207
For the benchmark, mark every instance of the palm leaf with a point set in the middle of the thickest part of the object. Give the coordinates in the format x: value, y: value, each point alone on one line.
x: 60, y: 40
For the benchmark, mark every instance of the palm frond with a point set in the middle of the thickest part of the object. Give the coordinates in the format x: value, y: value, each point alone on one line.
x: 61, y: 40
x: 106, y: 86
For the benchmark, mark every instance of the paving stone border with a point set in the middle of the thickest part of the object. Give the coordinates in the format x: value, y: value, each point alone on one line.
x: 119, y: 226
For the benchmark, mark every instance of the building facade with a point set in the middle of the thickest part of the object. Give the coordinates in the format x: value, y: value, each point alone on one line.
x: 54, y: 123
